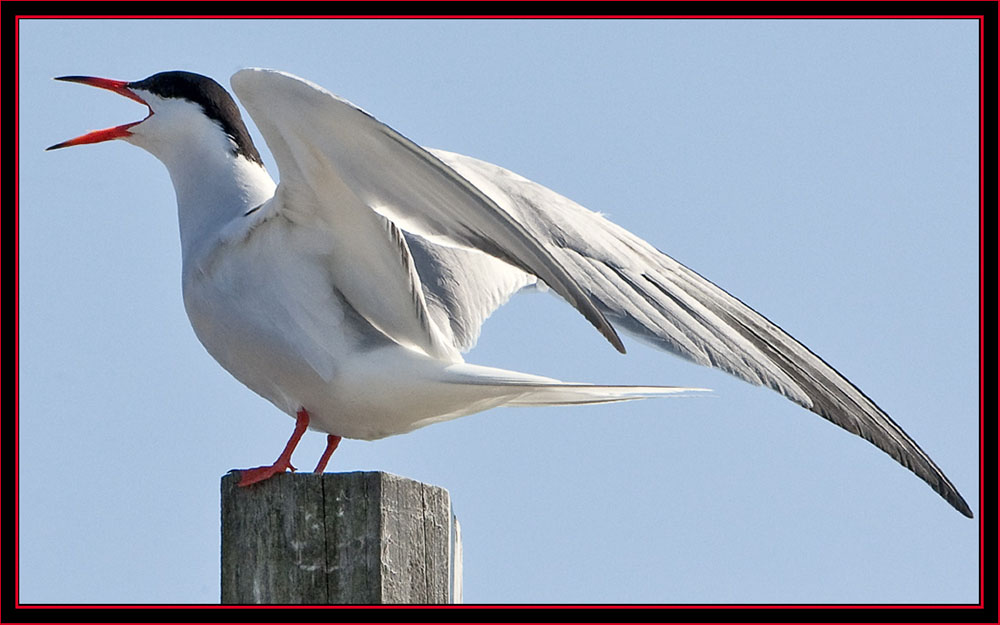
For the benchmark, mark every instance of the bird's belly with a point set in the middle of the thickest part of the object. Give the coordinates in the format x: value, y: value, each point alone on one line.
x: 282, y: 329
x: 279, y: 327
x: 355, y: 385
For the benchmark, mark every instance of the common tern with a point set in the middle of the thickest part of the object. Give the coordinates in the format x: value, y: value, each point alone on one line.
x: 346, y: 294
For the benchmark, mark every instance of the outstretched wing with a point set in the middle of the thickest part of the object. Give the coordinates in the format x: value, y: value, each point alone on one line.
x: 649, y: 294
x: 349, y: 170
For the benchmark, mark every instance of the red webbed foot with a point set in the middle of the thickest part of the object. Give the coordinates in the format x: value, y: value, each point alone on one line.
x: 284, y: 461
x: 259, y: 474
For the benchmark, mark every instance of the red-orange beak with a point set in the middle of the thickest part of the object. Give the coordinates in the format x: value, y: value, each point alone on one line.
x: 96, y: 136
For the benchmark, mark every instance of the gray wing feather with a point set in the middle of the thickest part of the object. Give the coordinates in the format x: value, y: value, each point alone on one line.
x: 652, y: 296
x: 462, y: 287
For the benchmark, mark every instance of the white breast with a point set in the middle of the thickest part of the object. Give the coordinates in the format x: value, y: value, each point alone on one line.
x: 270, y: 317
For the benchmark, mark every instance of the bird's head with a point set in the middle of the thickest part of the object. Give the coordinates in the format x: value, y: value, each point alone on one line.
x: 187, y: 112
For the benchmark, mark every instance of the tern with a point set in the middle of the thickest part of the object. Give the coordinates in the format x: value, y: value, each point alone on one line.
x: 347, y: 293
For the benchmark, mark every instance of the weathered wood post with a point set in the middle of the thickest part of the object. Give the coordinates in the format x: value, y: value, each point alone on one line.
x: 339, y: 538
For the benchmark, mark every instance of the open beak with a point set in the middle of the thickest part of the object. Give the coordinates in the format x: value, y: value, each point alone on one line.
x: 96, y: 136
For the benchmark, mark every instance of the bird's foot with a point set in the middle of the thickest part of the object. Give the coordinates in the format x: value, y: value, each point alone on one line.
x: 284, y: 461
x: 259, y: 474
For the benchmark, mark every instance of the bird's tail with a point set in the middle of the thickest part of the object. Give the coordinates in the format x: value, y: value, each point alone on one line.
x: 524, y: 389
x: 572, y: 394
x: 428, y: 391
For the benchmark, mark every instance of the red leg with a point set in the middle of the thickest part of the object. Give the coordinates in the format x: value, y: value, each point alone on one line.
x: 332, y: 440
x: 284, y: 461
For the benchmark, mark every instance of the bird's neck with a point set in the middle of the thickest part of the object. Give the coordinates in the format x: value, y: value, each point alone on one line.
x: 212, y: 190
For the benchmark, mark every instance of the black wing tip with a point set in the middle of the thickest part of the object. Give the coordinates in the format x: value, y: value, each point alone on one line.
x: 959, y: 504
x: 617, y: 343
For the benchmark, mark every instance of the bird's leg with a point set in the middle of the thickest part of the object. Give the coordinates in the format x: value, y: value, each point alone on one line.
x: 332, y: 440
x: 284, y: 461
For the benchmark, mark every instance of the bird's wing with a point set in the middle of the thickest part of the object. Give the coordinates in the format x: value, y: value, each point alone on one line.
x: 661, y: 301
x: 338, y: 162
x: 463, y: 287
x: 345, y: 165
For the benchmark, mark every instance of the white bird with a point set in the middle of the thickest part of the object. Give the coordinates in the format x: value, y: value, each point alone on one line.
x: 346, y: 294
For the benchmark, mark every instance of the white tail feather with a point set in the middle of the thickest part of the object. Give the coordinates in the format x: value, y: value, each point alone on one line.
x: 568, y: 394
x: 525, y: 389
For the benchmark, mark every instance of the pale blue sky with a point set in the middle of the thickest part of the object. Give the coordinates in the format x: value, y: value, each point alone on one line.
x: 824, y: 172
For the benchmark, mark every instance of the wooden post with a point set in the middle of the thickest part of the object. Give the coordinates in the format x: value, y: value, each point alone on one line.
x: 339, y: 538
